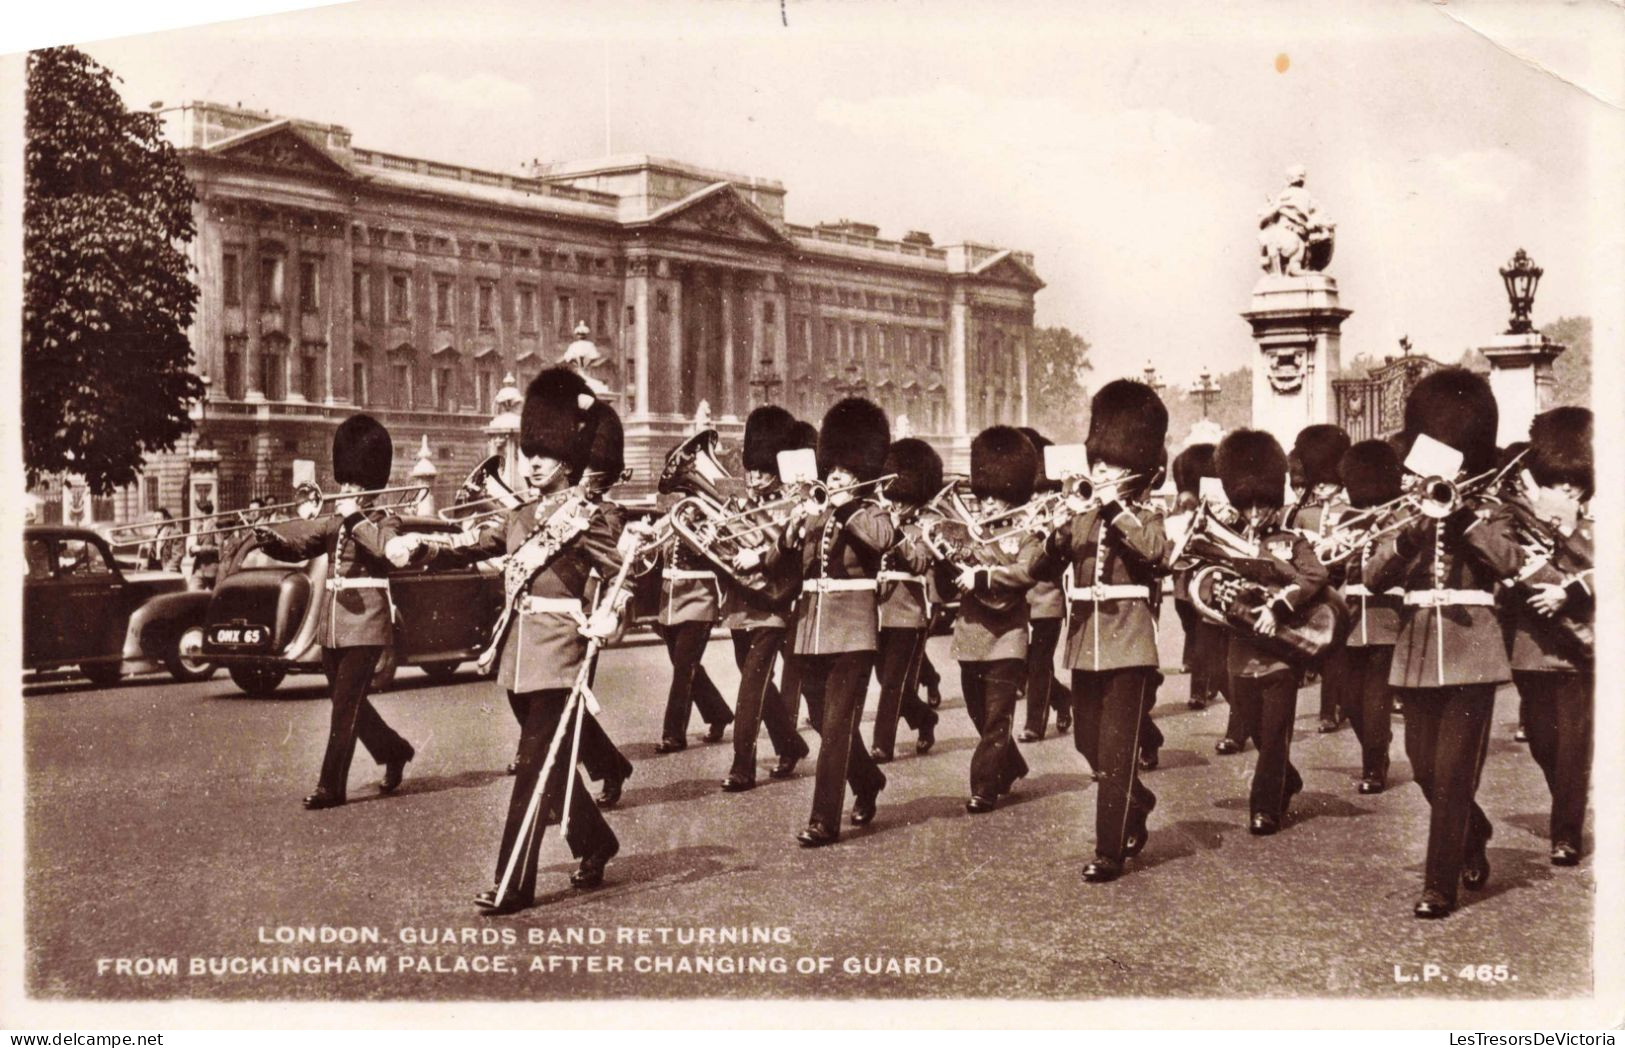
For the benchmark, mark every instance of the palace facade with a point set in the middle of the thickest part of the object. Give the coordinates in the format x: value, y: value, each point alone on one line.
x: 336, y: 278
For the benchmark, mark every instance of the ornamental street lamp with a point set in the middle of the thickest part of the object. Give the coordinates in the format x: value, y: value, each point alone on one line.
x: 1205, y: 389
x: 1151, y: 377
x: 766, y: 379
x: 1521, y: 277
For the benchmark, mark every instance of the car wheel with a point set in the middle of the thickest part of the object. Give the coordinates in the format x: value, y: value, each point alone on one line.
x: 102, y: 674
x: 440, y: 672
x: 185, y: 660
x: 257, y: 681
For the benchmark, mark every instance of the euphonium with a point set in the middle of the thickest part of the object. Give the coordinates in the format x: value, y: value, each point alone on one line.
x: 1226, y: 586
x: 1549, y: 555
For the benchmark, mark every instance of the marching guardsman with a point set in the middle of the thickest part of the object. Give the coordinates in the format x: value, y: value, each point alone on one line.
x: 1449, y: 656
x: 1371, y: 474
x: 1204, y: 651
x: 1264, y: 685
x: 1046, y: 611
x: 552, y: 547
x: 1112, y: 554
x: 1555, y: 679
x: 690, y: 605
x: 758, y: 617
x: 905, y: 610
x: 357, y: 620
x: 1320, y: 450
x: 990, y: 632
x: 837, y: 622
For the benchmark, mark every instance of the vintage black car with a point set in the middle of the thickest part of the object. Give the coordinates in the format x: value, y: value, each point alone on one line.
x: 263, y: 620
x: 83, y: 608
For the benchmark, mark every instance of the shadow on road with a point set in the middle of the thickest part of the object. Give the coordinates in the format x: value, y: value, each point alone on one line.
x: 428, y: 784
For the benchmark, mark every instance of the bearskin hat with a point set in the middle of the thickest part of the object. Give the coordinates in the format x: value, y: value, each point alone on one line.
x: 555, y: 414
x: 1371, y: 473
x: 1039, y: 443
x: 1191, y: 465
x: 1127, y: 426
x: 1455, y: 406
x: 802, y: 435
x: 767, y: 432
x: 854, y: 437
x: 1560, y: 448
x: 1003, y: 465
x: 606, y: 450
x: 1321, y: 449
x: 918, y: 468
x: 1252, y: 467
x: 362, y: 453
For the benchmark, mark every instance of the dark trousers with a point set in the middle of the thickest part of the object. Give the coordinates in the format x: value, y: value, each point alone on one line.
x: 589, y: 833
x: 602, y: 759
x: 927, y: 670
x: 1111, y: 709
x: 1273, y: 700
x: 835, y: 687
x: 1558, y: 717
x: 690, y: 685
x: 758, y: 701
x: 1337, y: 695
x: 1206, y: 649
x: 1362, y: 675
x: 901, y: 651
x: 350, y: 670
x: 992, y: 690
x: 1446, y: 736
x: 1044, y: 692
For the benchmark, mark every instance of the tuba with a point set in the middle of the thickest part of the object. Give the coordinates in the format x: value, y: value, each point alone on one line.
x: 1226, y: 586
x: 1547, y: 554
x: 701, y: 519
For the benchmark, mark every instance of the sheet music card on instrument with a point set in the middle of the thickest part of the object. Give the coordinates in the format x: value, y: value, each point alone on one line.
x: 1066, y: 460
x: 1212, y: 490
x: 798, y: 466
x: 1433, y: 458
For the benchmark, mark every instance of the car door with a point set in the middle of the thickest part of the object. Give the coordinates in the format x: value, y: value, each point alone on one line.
x: 440, y: 611
x: 92, y: 599
x: 42, y: 614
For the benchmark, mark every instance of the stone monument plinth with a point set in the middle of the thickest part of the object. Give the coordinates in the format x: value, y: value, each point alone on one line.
x: 1521, y: 379
x: 1296, y: 322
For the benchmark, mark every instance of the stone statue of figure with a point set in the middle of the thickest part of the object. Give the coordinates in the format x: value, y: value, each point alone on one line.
x: 583, y: 356
x: 902, y: 427
x: 702, y: 416
x: 1294, y: 237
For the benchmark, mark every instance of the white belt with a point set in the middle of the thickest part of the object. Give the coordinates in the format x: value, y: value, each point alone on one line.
x: 1440, y: 598
x: 900, y: 576
x: 1104, y: 592
x: 359, y: 582
x: 1358, y: 589
x: 835, y: 585
x: 531, y: 605
x: 682, y: 574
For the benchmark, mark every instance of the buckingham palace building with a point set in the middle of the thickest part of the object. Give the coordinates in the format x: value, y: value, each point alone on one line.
x: 337, y: 279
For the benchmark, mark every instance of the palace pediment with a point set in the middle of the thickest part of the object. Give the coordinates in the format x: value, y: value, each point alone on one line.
x: 1006, y: 268
x: 277, y: 145
x: 718, y: 210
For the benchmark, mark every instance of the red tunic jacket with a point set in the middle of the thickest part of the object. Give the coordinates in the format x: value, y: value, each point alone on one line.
x: 355, y: 614
x: 1106, y: 553
x: 840, y: 551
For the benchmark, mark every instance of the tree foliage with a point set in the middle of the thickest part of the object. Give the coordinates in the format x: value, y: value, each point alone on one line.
x: 1056, y: 361
x: 107, y: 292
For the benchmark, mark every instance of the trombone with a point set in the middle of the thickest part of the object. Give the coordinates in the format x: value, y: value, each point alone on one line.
x: 311, y: 500
x: 813, y: 499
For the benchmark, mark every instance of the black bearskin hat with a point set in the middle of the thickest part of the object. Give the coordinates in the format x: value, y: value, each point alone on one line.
x: 1003, y: 465
x: 802, y: 435
x: 767, y: 432
x: 1191, y: 465
x: 606, y: 454
x: 1127, y: 426
x: 1252, y: 467
x: 362, y: 453
x: 1560, y: 448
x: 854, y: 437
x: 918, y: 468
x: 1039, y: 443
x: 1371, y: 473
x: 1455, y: 406
x: 556, y: 407
x: 1321, y: 449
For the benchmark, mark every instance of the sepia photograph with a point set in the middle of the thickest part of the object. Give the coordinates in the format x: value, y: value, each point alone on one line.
x: 987, y: 514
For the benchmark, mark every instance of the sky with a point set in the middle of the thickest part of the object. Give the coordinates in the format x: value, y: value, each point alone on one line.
x: 1127, y: 147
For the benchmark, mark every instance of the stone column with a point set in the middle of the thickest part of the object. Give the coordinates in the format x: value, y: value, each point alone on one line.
x: 730, y: 410
x: 1296, y: 324
x: 638, y: 293
x: 1521, y: 378
x: 958, y: 354
x: 1023, y: 346
x: 674, y: 347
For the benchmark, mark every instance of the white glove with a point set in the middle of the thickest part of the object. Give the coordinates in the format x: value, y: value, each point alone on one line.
x: 602, y: 625
x: 402, y: 549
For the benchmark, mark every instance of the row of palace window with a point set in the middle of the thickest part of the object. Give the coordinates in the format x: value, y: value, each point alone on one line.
x: 398, y: 297
x: 854, y: 340
x: 280, y: 374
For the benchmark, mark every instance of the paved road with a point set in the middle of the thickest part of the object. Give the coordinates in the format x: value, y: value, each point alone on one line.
x: 164, y: 824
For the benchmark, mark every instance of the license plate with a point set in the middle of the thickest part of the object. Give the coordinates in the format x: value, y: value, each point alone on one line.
x: 239, y: 636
